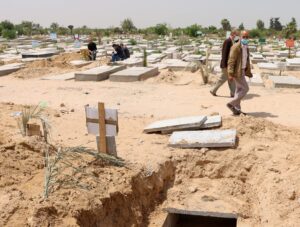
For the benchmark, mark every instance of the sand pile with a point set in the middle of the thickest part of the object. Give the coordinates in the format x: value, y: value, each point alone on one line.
x: 258, y: 180
x: 55, y: 65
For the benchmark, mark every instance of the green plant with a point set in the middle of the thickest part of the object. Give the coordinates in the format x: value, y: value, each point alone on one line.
x: 145, y: 63
x: 33, y: 112
x: 133, y: 42
x: 64, y: 169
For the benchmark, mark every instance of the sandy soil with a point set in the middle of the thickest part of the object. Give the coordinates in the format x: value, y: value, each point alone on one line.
x: 258, y: 179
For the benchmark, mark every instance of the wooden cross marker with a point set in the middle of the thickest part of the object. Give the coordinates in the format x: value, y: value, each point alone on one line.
x: 102, y: 128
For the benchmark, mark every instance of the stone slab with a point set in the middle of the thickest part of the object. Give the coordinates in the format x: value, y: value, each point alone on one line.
x: 171, y: 125
x: 66, y: 76
x: 269, y: 66
x: 98, y: 73
x: 130, y: 62
x: 285, y: 81
x: 212, y: 122
x: 134, y: 74
x: 200, y: 139
x: 80, y: 63
x: 179, y: 65
x: 201, y: 213
x: 256, y: 80
x: 10, y: 68
x: 42, y: 54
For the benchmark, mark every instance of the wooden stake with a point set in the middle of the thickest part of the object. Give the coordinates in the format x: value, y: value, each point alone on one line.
x: 102, y: 128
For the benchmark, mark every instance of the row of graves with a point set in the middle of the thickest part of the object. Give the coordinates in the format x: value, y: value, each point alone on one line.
x: 271, y: 57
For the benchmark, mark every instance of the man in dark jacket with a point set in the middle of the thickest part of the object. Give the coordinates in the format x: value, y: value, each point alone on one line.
x: 126, y: 51
x: 92, y: 47
x: 224, y: 63
x: 118, y: 54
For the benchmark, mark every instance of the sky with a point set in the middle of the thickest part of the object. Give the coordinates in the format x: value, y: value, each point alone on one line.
x: 144, y: 13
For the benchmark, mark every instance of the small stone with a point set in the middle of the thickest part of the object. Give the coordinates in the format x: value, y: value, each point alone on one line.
x: 292, y: 195
x: 179, y: 181
x: 57, y: 115
x: 72, y: 110
x: 193, y: 189
x: 62, y: 105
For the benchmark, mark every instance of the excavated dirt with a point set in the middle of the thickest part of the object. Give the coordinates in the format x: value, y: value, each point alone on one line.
x: 258, y: 180
x: 53, y: 66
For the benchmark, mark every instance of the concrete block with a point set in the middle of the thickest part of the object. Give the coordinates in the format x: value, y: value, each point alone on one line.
x: 268, y: 66
x: 80, y: 63
x: 171, y: 125
x: 256, y: 80
x: 285, y: 81
x: 63, y: 77
x: 200, y: 139
x: 10, y: 68
x: 98, y: 73
x: 134, y: 74
x: 179, y: 65
x: 212, y: 122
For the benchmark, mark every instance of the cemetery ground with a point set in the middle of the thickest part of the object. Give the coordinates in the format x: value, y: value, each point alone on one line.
x: 258, y: 179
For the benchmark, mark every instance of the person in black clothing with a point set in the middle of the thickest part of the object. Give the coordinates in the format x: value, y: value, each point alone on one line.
x: 92, y: 47
x: 118, y: 54
x: 224, y: 62
x: 126, y: 51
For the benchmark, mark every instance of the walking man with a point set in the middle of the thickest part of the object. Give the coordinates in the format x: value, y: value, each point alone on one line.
x: 238, y: 68
x: 224, y: 63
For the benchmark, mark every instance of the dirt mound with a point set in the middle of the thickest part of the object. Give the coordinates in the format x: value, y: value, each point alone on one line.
x: 258, y: 180
x: 166, y: 76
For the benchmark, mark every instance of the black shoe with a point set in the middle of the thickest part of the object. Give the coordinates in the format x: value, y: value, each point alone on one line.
x: 233, y: 109
x: 212, y: 93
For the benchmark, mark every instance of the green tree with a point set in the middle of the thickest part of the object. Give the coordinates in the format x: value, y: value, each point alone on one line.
x: 226, y: 25
x: 127, y: 25
x: 241, y: 27
x: 9, y: 33
x: 192, y: 30
x: 54, y: 27
x: 7, y: 25
x: 275, y: 24
x: 291, y: 28
x: 260, y: 25
x: 71, y: 27
x: 161, y: 29
x: 255, y: 33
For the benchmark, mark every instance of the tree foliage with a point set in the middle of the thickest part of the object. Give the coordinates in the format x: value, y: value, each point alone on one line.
x: 226, y: 25
x: 275, y: 24
x: 260, y: 25
x: 127, y: 25
x: 161, y: 29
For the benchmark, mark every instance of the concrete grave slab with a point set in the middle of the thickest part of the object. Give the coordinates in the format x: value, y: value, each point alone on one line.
x: 39, y: 54
x: 179, y: 65
x: 134, y: 74
x: 200, y: 139
x: 171, y: 125
x: 256, y: 80
x: 10, y: 68
x: 131, y: 62
x: 80, y: 63
x: 98, y: 73
x: 268, y: 66
x: 212, y: 122
x: 285, y: 81
x: 66, y: 76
